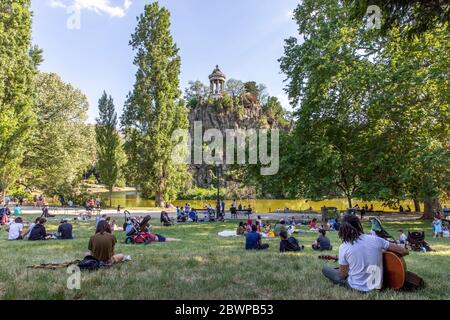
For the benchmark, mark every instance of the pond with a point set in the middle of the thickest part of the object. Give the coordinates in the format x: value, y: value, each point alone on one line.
x: 132, y: 199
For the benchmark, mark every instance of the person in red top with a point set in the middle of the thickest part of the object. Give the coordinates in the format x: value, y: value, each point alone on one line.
x: 313, y: 224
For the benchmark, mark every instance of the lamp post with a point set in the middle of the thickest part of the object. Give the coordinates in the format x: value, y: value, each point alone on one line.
x: 218, y: 192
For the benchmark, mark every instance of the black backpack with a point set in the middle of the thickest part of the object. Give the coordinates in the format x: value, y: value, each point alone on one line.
x: 89, y: 263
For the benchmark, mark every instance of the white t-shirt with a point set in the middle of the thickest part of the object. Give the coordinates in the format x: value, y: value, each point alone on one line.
x: 365, y: 260
x: 403, y: 237
x: 15, y: 230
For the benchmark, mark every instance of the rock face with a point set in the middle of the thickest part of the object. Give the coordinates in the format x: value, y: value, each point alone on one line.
x: 216, y: 116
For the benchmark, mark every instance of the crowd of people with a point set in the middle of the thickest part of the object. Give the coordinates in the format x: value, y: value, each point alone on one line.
x: 356, y: 251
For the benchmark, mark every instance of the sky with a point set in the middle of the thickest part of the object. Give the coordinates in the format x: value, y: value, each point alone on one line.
x: 86, y: 42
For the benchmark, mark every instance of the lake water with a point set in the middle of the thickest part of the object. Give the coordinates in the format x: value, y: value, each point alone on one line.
x: 133, y: 200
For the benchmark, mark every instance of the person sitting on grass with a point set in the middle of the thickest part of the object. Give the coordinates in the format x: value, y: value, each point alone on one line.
x: 30, y: 228
x: 313, y: 225
x: 193, y: 216
x: 17, y: 210
x: 165, y: 219
x: 65, y: 230
x: 259, y: 219
x: 269, y: 232
x: 281, y: 226
x: 16, y: 230
x: 240, y: 231
x: 39, y: 232
x: 322, y: 242
x: 288, y: 243
x: 102, y: 244
x: 45, y: 212
x: 253, y: 240
x: 402, y: 238
x: 358, y: 254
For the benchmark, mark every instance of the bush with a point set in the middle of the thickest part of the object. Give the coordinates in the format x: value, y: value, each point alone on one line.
x: 201, y: 194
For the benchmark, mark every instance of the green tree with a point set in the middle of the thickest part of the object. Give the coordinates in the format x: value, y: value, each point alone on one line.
x: 109, y: 148
x: 409, y: 120
x: 16, y: 96
x: 235, y: 88
x: 62, y: 146
x: 195, y: 92
x: 275, y: 113
x: 152, y: 111
x: 331, y: 82
x: 414, y: 17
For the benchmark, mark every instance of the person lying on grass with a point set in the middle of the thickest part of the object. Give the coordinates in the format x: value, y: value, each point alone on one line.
x: 146, y: 229
x: 102, y: 244
x: 289, y: 243
x: 358, y: 255
x: 253, y: 240
x: 322, y: 242
x: 38, y: 232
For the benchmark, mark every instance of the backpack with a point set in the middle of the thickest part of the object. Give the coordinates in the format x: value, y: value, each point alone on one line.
x: 294, y: 244
x: 89, y: 263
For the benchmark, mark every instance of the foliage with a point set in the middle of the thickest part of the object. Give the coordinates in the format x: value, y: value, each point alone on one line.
x: 62, y: 145
x: 16, y: 87
x: 201, y: 194
x: 110, y: 155
x: 235, y: 87
x: 414, y: 17
x: 372, y: 113
x: 152, y: 111
x: 274, y: 112
x: 195, y: 93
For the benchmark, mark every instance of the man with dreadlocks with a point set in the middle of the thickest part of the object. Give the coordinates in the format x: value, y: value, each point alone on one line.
x: 360, y: 257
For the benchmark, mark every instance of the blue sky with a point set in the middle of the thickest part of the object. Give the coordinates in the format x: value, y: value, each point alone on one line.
x: 245, y: 37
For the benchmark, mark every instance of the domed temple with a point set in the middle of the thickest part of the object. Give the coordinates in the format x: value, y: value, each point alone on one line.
x: 217, y: 83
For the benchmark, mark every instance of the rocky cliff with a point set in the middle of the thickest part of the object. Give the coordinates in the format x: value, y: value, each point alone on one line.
x: 216, y: 114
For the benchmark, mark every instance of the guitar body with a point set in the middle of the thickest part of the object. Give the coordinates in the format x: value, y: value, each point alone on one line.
x: 394, y: 271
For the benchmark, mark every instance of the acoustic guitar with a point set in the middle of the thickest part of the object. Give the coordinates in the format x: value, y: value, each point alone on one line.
x: 394, y: 269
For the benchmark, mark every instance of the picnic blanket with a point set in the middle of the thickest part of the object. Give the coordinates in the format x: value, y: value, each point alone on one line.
x: 227, y: 233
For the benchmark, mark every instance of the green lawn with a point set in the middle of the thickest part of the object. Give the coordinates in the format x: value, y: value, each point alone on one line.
x: 201, y: 266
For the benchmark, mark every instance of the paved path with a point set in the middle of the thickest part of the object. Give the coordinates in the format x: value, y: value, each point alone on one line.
x: 60, y: 212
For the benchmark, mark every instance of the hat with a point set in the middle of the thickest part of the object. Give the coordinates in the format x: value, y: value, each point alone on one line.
x: 63, y: 220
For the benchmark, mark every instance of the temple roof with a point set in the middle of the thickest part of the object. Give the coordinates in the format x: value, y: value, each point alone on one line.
x: 217, y: 73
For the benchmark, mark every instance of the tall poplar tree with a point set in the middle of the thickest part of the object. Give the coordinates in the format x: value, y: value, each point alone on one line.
x: 108, y: 144
x: 153, y: 111
x: 16, y: 78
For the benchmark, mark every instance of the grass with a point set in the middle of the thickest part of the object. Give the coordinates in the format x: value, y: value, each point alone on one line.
x: 201, y: 266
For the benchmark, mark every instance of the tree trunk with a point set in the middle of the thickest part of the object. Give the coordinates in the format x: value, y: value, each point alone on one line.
x: 416, y: 205
x: 431, y: 205
x: 110, y: 197
x: 159, y: 199
x: 349, y: 199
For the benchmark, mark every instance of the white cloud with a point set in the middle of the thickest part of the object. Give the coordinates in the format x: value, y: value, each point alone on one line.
x: 98, y: 6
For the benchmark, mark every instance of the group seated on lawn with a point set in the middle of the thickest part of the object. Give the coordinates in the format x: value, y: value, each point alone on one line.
x: 356, y: 253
